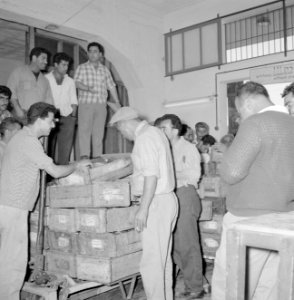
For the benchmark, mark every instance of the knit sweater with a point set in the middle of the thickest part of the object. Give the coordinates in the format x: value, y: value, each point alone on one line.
x: 259, y: 165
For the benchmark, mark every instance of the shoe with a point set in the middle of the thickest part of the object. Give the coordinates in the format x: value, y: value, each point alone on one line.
x: 193, y: 295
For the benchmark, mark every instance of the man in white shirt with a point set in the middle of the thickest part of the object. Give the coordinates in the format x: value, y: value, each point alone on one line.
x: 152, y: 181
x: 65, y: 99
x: 186, y: 251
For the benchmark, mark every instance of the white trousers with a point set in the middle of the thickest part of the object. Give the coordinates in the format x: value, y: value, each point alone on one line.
x: 262, y: 268
x: 156, y: 263
x: 13, y: 251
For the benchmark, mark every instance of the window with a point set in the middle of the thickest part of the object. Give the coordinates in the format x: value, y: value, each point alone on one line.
x: 192, y: 48
x: 259, y: 35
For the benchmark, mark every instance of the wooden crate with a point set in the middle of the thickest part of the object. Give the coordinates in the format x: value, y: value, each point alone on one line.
x: 61, y: 263
x: 212, y: 187
x: 108, y: 270
x: 206, y: 212
x: 109, y: 244
x: 218, y: 205
x: 212, y: 226
x: 101, y: 220
x: 210, y: 243
x: 98, y: 194
x: 62, y: 241
x: 62, y: 219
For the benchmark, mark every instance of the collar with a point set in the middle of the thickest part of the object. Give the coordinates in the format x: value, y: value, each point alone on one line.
x: 140, y: 128
x: 278, y: 108
x: 29, y: 131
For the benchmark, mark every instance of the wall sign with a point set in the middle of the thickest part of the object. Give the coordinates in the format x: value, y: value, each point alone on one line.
x: 277, y: 73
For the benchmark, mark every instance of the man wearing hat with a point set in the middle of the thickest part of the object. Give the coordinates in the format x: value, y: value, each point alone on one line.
x: 153, y: 181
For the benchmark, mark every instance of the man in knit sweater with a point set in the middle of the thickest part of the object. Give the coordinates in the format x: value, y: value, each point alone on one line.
x: 23, y: 159
x: 259, y: 171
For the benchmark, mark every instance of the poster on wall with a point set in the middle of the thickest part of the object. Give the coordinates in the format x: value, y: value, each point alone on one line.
x: 277, y: 73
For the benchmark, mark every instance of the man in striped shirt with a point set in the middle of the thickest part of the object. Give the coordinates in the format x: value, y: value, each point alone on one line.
x: 93, y: 80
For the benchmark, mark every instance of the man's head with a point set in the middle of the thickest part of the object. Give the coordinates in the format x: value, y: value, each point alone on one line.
x: 5, y: 95
x: 251, y: 98
x: 288, y: 95
x: 187, y: 133
x: 126, y: 120
x: 95, y: 52
x: 206, y: 142
x: 171, y: 125
x: 201, y: 129
x: 39, y: 58
x: 42, y: 117
x: 8, y: 128
x: 61, y: 62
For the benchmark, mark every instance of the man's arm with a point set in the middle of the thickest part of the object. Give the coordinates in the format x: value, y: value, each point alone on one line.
x: 57, y: 171
x: 238, y: 159
x: 114, y: 95
x: 150, y: 183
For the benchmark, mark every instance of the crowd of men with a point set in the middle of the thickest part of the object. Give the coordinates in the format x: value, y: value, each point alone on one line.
x: 257, y: 166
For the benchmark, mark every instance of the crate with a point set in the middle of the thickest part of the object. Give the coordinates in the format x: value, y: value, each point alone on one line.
x: 218, y: 205
x: 212, y: 226
x: 206, y: 212
x: 61, y: 263
x: 62, y: 219
x: 62, y: 241
x: 210, y: 243
x: 98, y: 194
x: 102, y: 220
x: 212, y: 187
x: 108, y: 270
x: 109, y: 244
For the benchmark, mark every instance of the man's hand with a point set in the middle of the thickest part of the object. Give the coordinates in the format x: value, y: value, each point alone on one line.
x: 114, y: 106
x: 20, y: 113
x: 92, y: 90
x: 84, y: 163
x: 141, y: 219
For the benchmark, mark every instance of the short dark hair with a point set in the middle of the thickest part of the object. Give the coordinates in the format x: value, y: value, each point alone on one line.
x: 156, y: 123
x: 58, y: 57
x: 185, y: 128
x: 208, y: 140
x: 202, y: 125
x: 37, y: 51
x: 4, y: 90
x: 288, y: 89
x: 252, y: 88
x: 40, y: 110
x: 8, y: 123
x: 175, y: 121
x: 99, y: 46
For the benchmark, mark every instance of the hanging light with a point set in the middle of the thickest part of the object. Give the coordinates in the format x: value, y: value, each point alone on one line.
x: 263, y: 20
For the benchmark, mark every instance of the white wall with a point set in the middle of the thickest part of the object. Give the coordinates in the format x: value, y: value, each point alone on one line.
x: 211, y: 81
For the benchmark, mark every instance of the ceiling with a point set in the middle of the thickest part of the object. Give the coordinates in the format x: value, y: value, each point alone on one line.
x: 166, y: 6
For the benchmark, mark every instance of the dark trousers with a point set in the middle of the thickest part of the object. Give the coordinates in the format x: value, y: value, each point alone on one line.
x: 187, y: 251
x: 63, y: 138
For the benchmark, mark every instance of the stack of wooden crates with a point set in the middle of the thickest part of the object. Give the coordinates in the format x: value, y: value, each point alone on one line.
x: 91, y: 232
x: 212, y: 190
